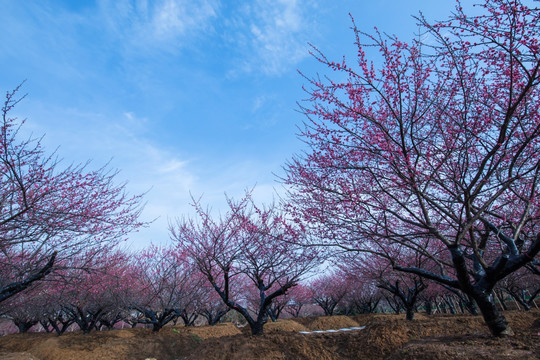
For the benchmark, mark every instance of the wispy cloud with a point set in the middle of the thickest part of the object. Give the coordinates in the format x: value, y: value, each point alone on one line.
x: 105, y: 79
x: 272, y: 35
x: 161, y: 24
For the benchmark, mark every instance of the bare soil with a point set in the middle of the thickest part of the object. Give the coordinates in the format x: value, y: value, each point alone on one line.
x: 384, y: 337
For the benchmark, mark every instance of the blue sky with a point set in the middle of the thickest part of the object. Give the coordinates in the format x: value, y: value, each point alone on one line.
x: 183, y: 96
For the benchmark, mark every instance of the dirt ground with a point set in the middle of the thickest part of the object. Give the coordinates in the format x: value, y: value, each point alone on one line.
x: 384, y: 337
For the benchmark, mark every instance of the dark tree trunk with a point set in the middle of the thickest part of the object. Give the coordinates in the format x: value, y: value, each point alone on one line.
x: 294, y: 310
x: 24, y: 325
x: 494, y: 319
x: 410, y: 313
x: 110, y: 322
x: 466, y: 302
x: 86, y: 320
x: 45, y: 325
x: 438, y: 307
x: 61, y: 324
x: 327, y: 304
x: 429, y: 308
x: 485, y: 277
x: 519, y: 296
x: 257, y: 328
x: 274, y: 311
x: 189, y: 319
x: 461, y: 305
x: 394, y: 304
x: 265, y: 301
x: 407, y: 298
x: 214, y: 318
x: 481, y: 293
x: 256, y: 325
x: 272, y: 315
x: 450, y: 303
x: 470, y: 305
x: 368, y: 306
x: 157, y: 319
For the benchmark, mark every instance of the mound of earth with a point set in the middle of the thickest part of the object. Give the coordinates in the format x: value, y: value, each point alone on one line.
x: 332, y: 322
x: 284, y: 326
x: 385, y: 337
x: 207, y: 332
x: 113, y: 345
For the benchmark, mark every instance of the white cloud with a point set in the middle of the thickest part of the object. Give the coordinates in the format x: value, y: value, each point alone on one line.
x: 90, y: 52
x: 175, y: 18
x: 275, y: 34
x: 162, y: 24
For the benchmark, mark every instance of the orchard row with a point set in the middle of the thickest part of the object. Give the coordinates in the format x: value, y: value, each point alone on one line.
x: 159, y: 286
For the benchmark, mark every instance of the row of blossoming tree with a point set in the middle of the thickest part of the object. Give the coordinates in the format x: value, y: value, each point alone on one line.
x: 162, y: 285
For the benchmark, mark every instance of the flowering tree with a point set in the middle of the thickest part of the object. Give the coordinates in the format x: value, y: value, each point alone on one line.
x: 363, y: 295
x: 98, y: 296
x: 247, y: 245
x: 299, y: 296
x: 48, y: 214
x: 329, y: 290
x: 405, y: 288
x: 25, y: 309
x: 435, y: 151
x: 167, y: 285
x: 91, y: 293
x: 88, y: 292
x: 211, y: 305
x: 523, y: 286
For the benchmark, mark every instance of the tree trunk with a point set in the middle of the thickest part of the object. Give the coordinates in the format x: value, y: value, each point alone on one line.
x: 257, y: 328
x: 438, y: 307
x: 521, y: 299
x: 451, y: 305
x: 494, y: 319
x: 60, y: 325
x: 481, y: 292
x: 272, y: 315
x: 212, y: 318
x: 24, y: 326
x: 429, y: 308
x: 45, y: 325
x: 410, y: 313
x: 470, y: 305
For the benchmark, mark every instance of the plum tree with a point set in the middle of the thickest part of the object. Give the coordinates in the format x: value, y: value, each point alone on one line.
x: 247, y: 247
x: 49, y: 213
x: 435, y: 150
